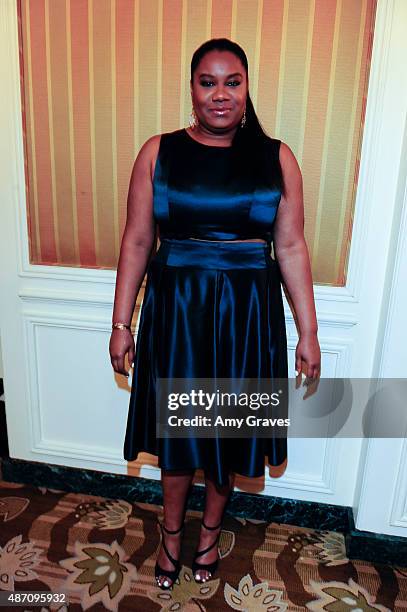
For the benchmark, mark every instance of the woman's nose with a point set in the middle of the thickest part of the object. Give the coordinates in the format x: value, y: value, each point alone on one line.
x: 220, y: 94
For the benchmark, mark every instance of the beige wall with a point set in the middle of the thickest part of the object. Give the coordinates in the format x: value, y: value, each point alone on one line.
x: 99, y: 78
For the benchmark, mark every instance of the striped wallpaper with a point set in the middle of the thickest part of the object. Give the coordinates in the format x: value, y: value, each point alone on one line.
x: 101, y: 76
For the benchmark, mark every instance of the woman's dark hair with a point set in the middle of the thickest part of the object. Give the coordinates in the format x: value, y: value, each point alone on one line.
x: 249, y: 142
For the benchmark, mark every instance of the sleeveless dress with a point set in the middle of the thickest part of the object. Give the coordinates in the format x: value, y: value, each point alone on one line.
x: 210, y: 309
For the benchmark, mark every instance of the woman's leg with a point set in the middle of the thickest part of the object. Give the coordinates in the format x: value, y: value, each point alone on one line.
x: 175, y: 486
x: 215, y: 502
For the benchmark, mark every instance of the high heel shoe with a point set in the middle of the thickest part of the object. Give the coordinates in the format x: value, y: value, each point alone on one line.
x: 207, y: 567
x: 160, y: 571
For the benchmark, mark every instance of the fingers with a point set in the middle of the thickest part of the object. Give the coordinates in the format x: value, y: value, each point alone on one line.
x: 311, y: 370
x: 121, y: 344
x: 121, y: 369
x: 307, y: 359
x: 131, y: 355
x: 117, y: 361
x: 315, y: 372
x: 118, y: 365
x: 298, y: 365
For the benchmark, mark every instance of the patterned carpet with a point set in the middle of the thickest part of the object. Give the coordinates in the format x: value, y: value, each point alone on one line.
x: 101, y: 554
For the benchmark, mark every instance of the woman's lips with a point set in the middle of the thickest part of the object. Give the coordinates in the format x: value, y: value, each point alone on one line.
x: 220, y: 112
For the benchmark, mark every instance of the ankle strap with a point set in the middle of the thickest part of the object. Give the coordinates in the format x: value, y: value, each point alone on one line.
x: 211, y: 528
x: 170, y: 531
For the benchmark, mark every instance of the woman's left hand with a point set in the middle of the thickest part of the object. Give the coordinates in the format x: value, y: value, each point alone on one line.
x: 308, y: 356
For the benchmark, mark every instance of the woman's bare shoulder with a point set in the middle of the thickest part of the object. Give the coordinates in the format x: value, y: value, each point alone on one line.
x: 289, y: 164
x: 286, y: 154
x: 148, y: 153
x: 151, y: 145
x: 150, y: 149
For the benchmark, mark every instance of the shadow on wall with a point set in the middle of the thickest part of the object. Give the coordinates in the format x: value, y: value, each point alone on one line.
x: 4, y: 452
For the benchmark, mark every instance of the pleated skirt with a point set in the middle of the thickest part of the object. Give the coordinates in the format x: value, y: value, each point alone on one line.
x: 210, y: 309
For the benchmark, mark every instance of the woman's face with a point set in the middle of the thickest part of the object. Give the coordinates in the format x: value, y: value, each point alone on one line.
x: 219, y: 91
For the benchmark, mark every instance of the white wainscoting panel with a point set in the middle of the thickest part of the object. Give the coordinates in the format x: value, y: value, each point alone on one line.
x: 75, y: 399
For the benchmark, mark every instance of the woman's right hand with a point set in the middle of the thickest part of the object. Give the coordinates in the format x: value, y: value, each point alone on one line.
x: 121, y: 343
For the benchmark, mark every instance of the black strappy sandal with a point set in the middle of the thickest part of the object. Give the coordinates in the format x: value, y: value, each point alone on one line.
x: 160, y: 571
x: 207, y: 567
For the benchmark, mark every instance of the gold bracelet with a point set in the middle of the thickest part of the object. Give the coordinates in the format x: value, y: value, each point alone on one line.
x: 120, y: 326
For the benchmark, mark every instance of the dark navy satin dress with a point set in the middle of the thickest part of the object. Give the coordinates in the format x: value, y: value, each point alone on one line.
x: 210, y: 309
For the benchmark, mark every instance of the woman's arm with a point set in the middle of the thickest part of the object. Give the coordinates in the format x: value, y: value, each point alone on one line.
x: 293, y: 258
x: 137, y: 242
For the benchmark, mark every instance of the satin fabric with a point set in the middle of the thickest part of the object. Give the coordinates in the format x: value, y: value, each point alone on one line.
x: 198, y: 193
x: 209, y: 309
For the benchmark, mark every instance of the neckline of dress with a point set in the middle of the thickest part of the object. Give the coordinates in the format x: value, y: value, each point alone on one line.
x: 202, y: 144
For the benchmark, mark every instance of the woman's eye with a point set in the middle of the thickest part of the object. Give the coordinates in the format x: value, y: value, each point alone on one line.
x: 209, y: 83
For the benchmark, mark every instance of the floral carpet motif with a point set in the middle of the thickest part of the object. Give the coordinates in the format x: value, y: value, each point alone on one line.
x: 101, y: 553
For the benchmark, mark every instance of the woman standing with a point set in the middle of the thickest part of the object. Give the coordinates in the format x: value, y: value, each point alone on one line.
x: 219, y: 192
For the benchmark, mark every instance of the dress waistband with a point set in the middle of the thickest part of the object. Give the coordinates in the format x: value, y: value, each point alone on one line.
x: 213, y: 254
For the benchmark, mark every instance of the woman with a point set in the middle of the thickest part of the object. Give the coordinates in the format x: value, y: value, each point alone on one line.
x: 220, y: 192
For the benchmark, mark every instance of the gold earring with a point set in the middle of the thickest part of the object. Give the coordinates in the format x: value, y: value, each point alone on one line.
x: 243, y: 120
x: 193, y: 120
